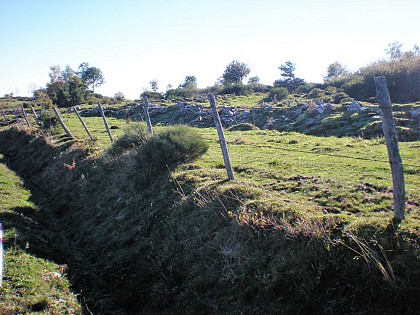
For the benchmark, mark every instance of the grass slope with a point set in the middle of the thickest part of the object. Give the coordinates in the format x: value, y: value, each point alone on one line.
x: 293, y: 233
x: 31, y: 285
x: 306, y: 225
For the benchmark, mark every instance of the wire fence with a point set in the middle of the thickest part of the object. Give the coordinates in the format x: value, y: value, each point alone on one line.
x: 286, y: 148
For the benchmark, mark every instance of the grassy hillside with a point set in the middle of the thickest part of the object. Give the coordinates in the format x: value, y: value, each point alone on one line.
x: 306, y: 225
x: 31, y: 285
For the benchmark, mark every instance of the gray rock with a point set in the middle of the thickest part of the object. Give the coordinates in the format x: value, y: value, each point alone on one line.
x: 227, y: 111
x: 354, y: 107
x: 320, y: 108
x: 415, y: 113
x: 310, y: 121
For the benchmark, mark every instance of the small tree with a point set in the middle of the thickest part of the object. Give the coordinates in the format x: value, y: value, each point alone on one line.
x: 394, y: 50
x: 235, y: 72
x: 91, y: 76
x: 290, y: 82
x: 76, y: 90
x: 154, y: 85
x: 119, y: 96
x: 335, y: 70
x: 254, y: 80
x: 190, y: 83
x: 42, y: 98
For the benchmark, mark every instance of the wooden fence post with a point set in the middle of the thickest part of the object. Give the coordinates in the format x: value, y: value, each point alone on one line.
x: 146, y: 114
x: 222, y: 140
x: 105, y: 122
x: 57, y: 114
x: 83, y: 123
x: 388, y: 126
x: 16, y: 116
x: 5, y: 118
x: 24, y: 115
x: 35, y: 115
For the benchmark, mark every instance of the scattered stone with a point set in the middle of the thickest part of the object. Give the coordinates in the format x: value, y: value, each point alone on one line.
x: 227, y: 111
x: 415, y: 113
x: 320, y: 108
x: 310, y: 121
x: 329, y: 106
x: 354, y: 107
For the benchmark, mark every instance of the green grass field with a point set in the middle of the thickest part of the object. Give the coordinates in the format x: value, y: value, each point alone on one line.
x: 346, y: 176
x: 305, y: 219
x: 31, y: 285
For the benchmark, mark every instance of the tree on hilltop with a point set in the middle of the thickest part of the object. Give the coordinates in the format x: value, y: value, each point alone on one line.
x: 335, y: 70
x: 235, y: 72
x: 154, y: 85
x: 254, y: 80
x: 190, y: 83
x: 290, y: 82
x: 394, y: 50
x: 91, y: 76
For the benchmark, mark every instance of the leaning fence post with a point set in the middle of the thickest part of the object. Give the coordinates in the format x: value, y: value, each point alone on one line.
x: 222, y: 140
x: 146, y: 114
x: 83, y: 123
x: 24, y: 116
x: 101, y: 110
x: 57, y: 114
x: 5, y: 118
x: 388, y: 126
x: 35, y: 115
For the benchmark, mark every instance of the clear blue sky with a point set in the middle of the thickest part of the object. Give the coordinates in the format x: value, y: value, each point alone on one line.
x: 133, y: 42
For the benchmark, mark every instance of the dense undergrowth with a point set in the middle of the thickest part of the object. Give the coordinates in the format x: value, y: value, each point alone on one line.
x: 142, y: 234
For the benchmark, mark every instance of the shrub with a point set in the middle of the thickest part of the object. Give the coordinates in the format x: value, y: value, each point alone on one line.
x: 237, y: 89
x: 339, y: 97
x: 315, y: 92
x: 164, y: 150
x: 48, y: 119
x: 278, y: 93
x: 173, y: 145
x: 359, y: 88
x: 135, y: 134
x: 305, y: 88
x: 243, y: 127
x: 258, y: 87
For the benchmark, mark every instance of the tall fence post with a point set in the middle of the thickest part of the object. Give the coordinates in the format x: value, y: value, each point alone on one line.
x: 222, y: 140
x: 146, y: 114
x: 66, y: 130
x: 388, y: 126
x: 25, y: 116
x: 101, y: 110
x: 5, y: 118
x: 83, y: 123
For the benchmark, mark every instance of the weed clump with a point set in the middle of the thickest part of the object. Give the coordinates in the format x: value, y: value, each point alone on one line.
x: 243, y: 127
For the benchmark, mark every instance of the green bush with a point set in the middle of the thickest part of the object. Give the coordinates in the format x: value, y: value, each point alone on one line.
x: 243, y: 127
x: 135, y: 134
x: 279, y: 93
x: 339, y: 97
x: 172, y: 145
x: 359, y: 88
x: 164, y: 150
x: 237, y: 89
x: 48, y: 119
